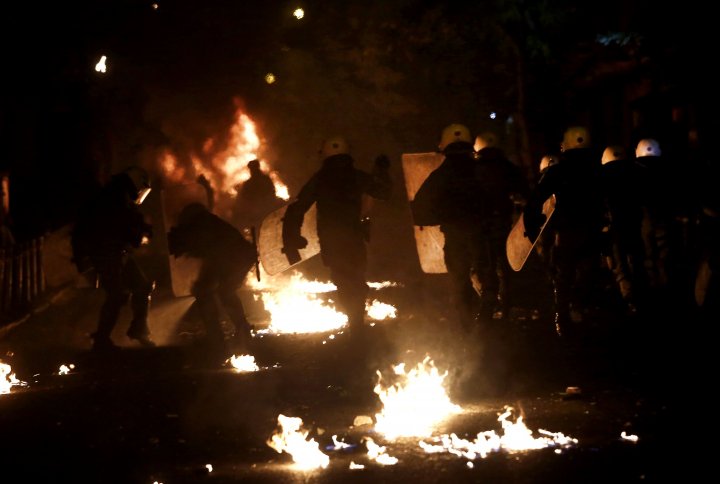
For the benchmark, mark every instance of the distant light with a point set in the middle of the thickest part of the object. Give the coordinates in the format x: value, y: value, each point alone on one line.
x: 269, y: 77
x: 155, y: 6
x: 493, y: 115
x: 299, y: 13
x: 101, y: 66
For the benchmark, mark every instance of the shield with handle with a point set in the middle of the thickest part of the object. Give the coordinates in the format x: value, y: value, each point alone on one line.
x: 429, y: 240
x: 270, y: 241
x: 518, y: 246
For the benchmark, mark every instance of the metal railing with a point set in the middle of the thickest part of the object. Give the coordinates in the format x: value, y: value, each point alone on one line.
x: 22, y: 277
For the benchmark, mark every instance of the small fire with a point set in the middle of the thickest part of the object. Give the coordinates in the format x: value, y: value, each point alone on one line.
x: 295, y: 307
x: 379, y: 454
x: 243, y: 363
x: 8, y: 379
x: 65, y: 369
x: 291, y: 439
x: 415, y: 403
x: 516, y: 437
x: 379, y: 310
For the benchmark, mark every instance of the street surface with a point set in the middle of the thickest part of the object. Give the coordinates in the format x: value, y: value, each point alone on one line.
x: 176, y: 414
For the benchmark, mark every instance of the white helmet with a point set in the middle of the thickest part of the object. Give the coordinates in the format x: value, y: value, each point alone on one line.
x: 485, y: 140
x: 613, y: 153
x: 454, y: 133
x: 647, y: 147
x: 337, y: 145
x: 141, y: 182
x: 548, y: 161
x: 575, y: 137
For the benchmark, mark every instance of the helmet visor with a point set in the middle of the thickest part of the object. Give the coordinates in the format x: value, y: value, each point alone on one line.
x: 142, y: 195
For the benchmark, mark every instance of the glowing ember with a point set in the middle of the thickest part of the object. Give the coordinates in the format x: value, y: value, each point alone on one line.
x: 8, y: 379
x: 101, y: 66
x: 631, y: 438
x: 415, y: 403
x: 339, y: 444
x: 243, y: 363
x: 305, y: 453
x: 354, y: 466
x: 516, y: 437
x: 65, y: 369
x: 378, y: 454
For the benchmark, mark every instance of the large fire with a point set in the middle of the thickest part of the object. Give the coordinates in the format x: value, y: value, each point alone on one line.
x: 228, y: 168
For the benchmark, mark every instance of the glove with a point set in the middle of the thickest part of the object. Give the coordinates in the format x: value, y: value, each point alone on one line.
x: 295, y: 243
x: 291, y: 248
x: 533, y: 224
x: 382, y: 163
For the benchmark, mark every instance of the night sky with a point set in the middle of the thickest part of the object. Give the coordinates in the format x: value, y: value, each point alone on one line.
x: 388, y: 76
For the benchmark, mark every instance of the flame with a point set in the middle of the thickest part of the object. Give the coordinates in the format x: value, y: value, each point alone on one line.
x: 378, y: 453
x: 227, y: 168
x: 8, y: 379
x: 294, y: 306
x: 101, y: 65
x: 291, y: 439
x: 516, y: 437
x: 65, y: 369
x: 415, y: 403
x: 379, y: 310
x: 243, y: 363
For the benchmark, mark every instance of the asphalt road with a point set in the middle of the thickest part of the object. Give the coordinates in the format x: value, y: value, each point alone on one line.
x: 171, y: 414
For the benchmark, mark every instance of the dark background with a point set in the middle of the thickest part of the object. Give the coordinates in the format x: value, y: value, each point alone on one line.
x: 387, y: 75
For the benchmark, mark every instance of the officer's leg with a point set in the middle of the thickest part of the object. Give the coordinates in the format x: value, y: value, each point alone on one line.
x: 116, y: 296
x: 140, y: 289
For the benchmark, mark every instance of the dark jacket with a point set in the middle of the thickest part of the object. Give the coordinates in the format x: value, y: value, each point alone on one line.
x: 110, y: 224
x: 451, y: 195
x: 337, y: 188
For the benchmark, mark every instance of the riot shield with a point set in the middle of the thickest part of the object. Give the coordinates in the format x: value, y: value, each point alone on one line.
x: 270, y: 240
x: 517, y: 246
x: 428, y: 240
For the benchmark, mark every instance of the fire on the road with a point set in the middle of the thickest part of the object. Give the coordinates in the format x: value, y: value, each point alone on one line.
x: 8, y: 378
x: 412, y: 406
x: 414, y: 403
x: 295, y: 306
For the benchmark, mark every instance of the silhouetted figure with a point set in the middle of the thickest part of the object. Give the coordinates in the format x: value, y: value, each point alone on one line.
x: 666, y: 203
x: 575, y: 227
x: 625, y: 253
x: 338, y: 189
x: 226, y: 258
x: 453, y: 199
x: 504, y: 186
x: 255, y: 198
x: 107, y: 231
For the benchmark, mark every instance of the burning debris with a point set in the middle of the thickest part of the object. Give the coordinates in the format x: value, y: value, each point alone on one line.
x: 516, y: 437
x: 291, y: 439
x: 243, y: 363
x: 8, y: 378
x: 65, y: 369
